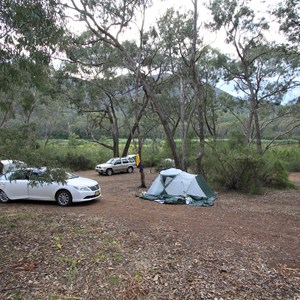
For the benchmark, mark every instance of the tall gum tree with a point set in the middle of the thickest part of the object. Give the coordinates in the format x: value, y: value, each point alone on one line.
x: 262, y: 71
x: 107, y: 94
x: 107, y: 21
x: 30, y: 32
x: 191, y: 63
x: 179, y: 32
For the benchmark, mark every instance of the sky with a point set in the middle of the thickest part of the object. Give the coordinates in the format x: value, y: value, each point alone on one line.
x: 217, y: 39
x: 159, y: 7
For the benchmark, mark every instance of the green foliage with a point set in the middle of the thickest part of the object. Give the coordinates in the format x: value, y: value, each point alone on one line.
x: 77, y: 155
x: 31, y: 27
x: 152, y: 153
x: 288, y: 13
x: 236, y: 140
x: 18, y: 142
x: 289, y: 155
x: 234, y: 169
x: 165, y: 164
x: 242, y: 169
x: 77, y: 162
x: 276, y: 176
x: 73, y: 140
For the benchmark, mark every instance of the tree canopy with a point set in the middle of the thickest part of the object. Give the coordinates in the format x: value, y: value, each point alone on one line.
x: 165, y: 73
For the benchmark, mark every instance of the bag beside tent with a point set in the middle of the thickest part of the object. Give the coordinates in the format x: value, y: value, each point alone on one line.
x: 175, y: 186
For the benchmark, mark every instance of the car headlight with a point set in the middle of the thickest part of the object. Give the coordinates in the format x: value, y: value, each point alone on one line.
x: 82, y: 188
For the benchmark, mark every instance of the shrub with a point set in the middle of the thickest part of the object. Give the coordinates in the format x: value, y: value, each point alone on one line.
x: 235, y: 169
x: 78, y: 162
x: 276, y: 176
x: 289, y: 156
x: 242, y: 169
x: 152, y: 154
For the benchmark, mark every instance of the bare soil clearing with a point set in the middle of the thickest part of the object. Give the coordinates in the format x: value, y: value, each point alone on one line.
x: 123, y: 247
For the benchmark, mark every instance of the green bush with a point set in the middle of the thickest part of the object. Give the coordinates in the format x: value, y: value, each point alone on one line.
x: 234, y: 169
x: 289, y: 155
x: 152, y: 154
x: 276, y: 176
x: 78, y: 162
x: 242, y: 169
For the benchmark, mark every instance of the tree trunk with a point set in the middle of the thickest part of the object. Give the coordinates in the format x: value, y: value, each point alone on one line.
x: 197, y: 86
x: 135, y: 126
x: 183, y: 129
x: 201, y: 133
x: 153, y: 98
x: 258, y: 132
x: 141, y: 168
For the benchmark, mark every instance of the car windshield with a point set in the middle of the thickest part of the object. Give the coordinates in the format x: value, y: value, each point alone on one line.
x: 71, y: 175
x: 110, y: 161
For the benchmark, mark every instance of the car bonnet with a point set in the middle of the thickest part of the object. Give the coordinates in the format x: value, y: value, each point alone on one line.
x: 104, y: 165
x: 81, y: 181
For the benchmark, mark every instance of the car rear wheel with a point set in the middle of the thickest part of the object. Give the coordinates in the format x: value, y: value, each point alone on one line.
x: 109, y: 172
x: 129, y: 169
x: 3, y: 197
x: 63, y: 198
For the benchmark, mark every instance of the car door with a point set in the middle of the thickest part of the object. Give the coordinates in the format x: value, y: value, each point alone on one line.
x: 38, y: 189
x: 117, y: 166
x: 16, y: 186
x: 124, y: 164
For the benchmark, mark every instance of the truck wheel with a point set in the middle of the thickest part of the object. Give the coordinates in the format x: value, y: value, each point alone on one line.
x: 109, y: 172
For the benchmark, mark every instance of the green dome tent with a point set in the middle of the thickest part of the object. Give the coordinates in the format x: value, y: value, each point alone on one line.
x: 174, y: 186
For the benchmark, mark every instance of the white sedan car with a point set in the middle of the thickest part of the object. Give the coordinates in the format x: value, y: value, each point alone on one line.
x: 29, y: 184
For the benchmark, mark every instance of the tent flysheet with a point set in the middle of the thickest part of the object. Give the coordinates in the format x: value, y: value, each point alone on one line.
x: 174, y: 186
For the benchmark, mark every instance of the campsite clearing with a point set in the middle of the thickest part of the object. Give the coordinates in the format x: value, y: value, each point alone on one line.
x: 123, y: 247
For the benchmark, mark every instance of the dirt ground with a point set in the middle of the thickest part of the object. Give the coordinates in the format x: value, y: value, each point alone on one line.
x: 123, y: 247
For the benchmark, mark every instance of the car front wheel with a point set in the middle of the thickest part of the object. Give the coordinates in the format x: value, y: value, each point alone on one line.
x: 109, y: 172
x: 63, y: 198
x: 3, y: 197
x: 130, y: 169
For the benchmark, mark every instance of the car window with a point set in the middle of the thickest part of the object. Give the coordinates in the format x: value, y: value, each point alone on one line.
x: 117, y: 162
x: 125, y: 161
x: 37, y: 175
x: 19, y: 175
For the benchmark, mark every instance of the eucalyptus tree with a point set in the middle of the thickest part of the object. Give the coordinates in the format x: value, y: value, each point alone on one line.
x: 262, y: 71
x: 95, y: 100
x: 107, y: 21
x: 29, y: 28
x: 99, y: 90
x: 288, y: 15
x: 190, y: 63
x: 211, y: 71
x: 23, y: 86
x: 30, y: 31
x: 176, y: 35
